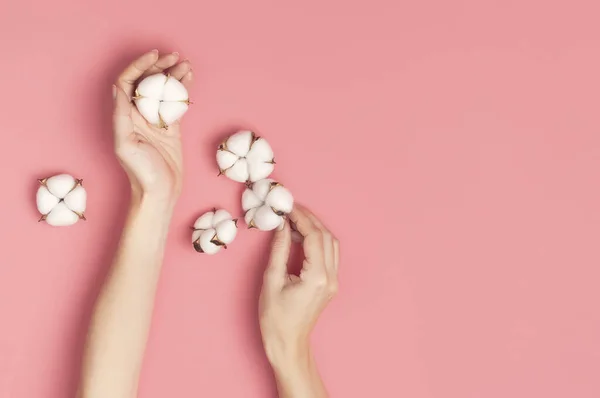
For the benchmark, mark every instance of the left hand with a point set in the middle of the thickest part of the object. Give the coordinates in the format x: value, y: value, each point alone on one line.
x: 151, y: 156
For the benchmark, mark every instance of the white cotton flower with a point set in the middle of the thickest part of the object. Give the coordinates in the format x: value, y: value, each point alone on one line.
x: 61, y: 200
x: 161, y: 99
x: 266, y: 202
x: 244, y: 157
x: 213, y: 230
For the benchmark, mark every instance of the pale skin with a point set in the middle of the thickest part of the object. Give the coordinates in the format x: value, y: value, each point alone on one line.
x: 289, y: 305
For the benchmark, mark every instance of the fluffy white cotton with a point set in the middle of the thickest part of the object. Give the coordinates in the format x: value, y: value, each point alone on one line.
x: 61, y: 216
x: 280, y: 199
x: 263, y: 187
x: 205, y: 242
x: 250, y: 200
x: 239, y: 144
x: 226, y: 231
x: 170, y: 112
x: 213, y: 230
x: 220, y: 215
x: 266, y: 203
x: 249, y: 217
x: 152, y: 86
x: 161, y: 100
x: 76, y: 200
x: 226, y: 159
x: 174, y: 91
x: 260, y: 150
x: 244, y: 157
x: 204, y: 221
x: 149, y: 108
x: 239, y: 171
x: 45, y: 200
x: 265, y: 219
x: 60, y: 185
x: 61, y: 200
x: 259, y: 170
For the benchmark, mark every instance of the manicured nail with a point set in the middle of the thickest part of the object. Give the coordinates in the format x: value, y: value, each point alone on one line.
x: 114, y: 91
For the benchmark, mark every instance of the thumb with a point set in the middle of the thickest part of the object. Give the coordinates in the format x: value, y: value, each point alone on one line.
x: 280, y: 252
x: 122, y: 123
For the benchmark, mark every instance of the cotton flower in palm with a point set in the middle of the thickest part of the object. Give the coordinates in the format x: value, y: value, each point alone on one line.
x: 161, y: 99
x: 61, y: 200
x: 245, y: 157
x: 266, y: 202
x: 213, y: 230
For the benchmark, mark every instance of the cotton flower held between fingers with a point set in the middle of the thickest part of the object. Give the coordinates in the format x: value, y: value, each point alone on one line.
x: 161, y: 99
x: 61, y: 200
x: 213, y: 230
x: 245, y: 157
x: 266, y: 202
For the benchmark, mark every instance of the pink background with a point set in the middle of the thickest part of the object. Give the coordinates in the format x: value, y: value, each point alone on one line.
x: 465, y: 190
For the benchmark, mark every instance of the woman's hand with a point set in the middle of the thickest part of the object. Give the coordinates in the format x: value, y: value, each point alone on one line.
x: 151, y: 156
x: 290, y: 305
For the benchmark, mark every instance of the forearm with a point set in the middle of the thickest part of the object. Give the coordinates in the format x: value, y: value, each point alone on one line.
x: 297, y: 375
x: 123, y: 312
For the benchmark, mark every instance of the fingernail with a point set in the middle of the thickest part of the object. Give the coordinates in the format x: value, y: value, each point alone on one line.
x: 175, y: 53
x: 114, y: 91
x: 280, y: 227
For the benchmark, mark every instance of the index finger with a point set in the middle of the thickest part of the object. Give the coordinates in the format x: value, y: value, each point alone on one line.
x: 312, y: 245
x: 302, y: 221
x: 135, y: 70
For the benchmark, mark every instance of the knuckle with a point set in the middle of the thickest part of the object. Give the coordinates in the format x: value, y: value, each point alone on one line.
x: 333, y: 287
x: 320, y: 282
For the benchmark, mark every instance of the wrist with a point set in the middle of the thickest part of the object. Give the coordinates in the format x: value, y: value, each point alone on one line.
x: 158, y: 202
x: 286, y: 354
x: 295, y: 373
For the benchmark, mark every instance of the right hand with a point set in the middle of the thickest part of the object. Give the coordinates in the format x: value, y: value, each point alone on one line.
x: 290, y: 305
x: 151, y: 156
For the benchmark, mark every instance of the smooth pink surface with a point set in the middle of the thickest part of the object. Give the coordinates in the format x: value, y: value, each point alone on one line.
x: 453, y: 146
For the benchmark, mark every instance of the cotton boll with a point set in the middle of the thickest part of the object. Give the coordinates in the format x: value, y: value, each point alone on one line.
x: 239, y: 143
x: 170, y: 112
x: 161, y: 100
x: 214, y: 228
x: 152, y: 87
x: 61, y: 200
x: 60, y: 185
x: 266, y: 203
x: 61, y: 216
x: 174, y: 91
x: 239, y: 171
x: 76, y: 199
x: 205, y: 221
x: 244, y: 157
x: 45, y: 200
x: 148, y: 108
x: 266, y: 219
x: 226, y: 231
x: 280, y: 199
x: 250, y: 200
